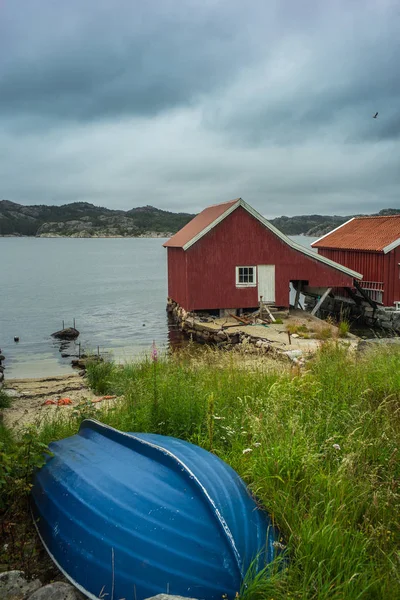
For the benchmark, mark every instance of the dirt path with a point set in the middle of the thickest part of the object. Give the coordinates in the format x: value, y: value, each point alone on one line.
x: 29, y: 395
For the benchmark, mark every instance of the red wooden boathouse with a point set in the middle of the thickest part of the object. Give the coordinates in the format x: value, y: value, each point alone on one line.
x: 229, y: 255
x: 370, y: 245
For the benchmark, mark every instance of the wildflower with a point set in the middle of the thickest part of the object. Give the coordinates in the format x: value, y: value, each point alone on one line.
x: 257, y: 444
x: 218, y: 418
x: 154, y: 352
x: 247, y: 450
x: 336, y: 446
x: 279, y: 545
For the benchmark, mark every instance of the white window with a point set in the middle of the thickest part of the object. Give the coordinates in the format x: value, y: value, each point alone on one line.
x: 246, y: 277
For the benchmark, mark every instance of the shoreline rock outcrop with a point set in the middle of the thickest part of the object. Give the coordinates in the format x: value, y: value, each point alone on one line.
x: 69, y: 333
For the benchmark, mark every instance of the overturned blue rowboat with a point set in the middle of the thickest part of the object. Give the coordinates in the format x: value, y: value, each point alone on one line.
x: 133, y: 515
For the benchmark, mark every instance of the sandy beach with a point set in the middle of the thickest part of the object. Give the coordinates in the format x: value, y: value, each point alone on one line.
x: 38, y: 399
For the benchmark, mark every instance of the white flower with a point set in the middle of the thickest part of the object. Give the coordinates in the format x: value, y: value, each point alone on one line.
x: 336, y: 446
x: 257, y: 444
x: 278, y: 545
x: 247, y: 450
x: 217, y: 418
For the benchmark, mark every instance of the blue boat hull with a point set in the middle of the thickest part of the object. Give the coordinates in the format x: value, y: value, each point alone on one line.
x: 135, y: 515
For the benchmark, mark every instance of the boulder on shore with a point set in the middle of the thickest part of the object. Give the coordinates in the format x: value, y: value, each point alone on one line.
x: 69, y: 333
x: 57, y: 591
x: 14, y: 586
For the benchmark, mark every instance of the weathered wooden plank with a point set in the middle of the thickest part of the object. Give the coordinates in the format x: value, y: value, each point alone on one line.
x: 321, y: 301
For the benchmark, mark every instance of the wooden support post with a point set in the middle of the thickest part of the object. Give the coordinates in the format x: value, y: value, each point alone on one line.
x: 321, y: 301
x: 271, y: 316
x: 63, y: 325
x: 365, y: 295
x: 74, y: 322
x: 298, y: 292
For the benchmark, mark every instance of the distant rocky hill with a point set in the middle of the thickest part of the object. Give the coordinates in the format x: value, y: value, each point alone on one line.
x: 318, y: 225
x: 81, y: 219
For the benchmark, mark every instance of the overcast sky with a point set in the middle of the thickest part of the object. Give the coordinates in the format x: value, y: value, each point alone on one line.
x: 185, y: 103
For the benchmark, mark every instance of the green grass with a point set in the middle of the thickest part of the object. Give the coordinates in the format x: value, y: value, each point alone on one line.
x: 5, y: 400
x: 323, y: 460
x: 325, y: 333
x: 297, y: 328
x: 343, y: 328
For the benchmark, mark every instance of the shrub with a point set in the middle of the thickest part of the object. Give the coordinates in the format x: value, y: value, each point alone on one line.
x: 99, y: 376
x: 343, y: 328
x: 5, y: 400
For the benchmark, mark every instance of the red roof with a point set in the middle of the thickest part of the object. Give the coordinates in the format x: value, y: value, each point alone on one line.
x: 198, y: 224
x: 363, y: 233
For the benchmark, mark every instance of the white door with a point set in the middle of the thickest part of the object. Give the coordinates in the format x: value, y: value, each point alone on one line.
x: 266, y: 282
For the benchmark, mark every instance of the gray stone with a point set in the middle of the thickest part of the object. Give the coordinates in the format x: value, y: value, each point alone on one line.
x: 168, y: 597
x: 14, y: 586
x: 69, y: 333
x: 370, y: 343
x: 57, y: 591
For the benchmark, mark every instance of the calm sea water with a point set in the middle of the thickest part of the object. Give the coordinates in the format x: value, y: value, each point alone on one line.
x: 115, y: 289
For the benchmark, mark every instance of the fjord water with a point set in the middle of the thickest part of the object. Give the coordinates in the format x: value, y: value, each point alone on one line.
x: 116, y: 289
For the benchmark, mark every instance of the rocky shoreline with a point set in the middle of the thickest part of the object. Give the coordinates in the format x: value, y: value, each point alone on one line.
x: 15, y: 586
x: 80, y: 235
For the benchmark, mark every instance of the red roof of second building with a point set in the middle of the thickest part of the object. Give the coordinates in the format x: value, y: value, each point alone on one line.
x: 198, y: 224
x: 372, y: 234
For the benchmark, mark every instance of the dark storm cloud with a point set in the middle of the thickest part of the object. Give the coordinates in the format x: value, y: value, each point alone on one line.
x: 183, y: 103
x: 104, y: 59
x: 327, y: 81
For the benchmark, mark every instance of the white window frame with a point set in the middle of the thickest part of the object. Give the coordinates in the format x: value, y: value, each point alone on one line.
x: 246, y: 285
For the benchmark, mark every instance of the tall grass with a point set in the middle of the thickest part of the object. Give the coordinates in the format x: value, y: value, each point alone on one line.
x: 320, y: 449
x: 5, y: 400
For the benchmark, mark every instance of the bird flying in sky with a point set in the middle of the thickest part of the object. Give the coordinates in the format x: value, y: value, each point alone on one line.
x: 375, y: 115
